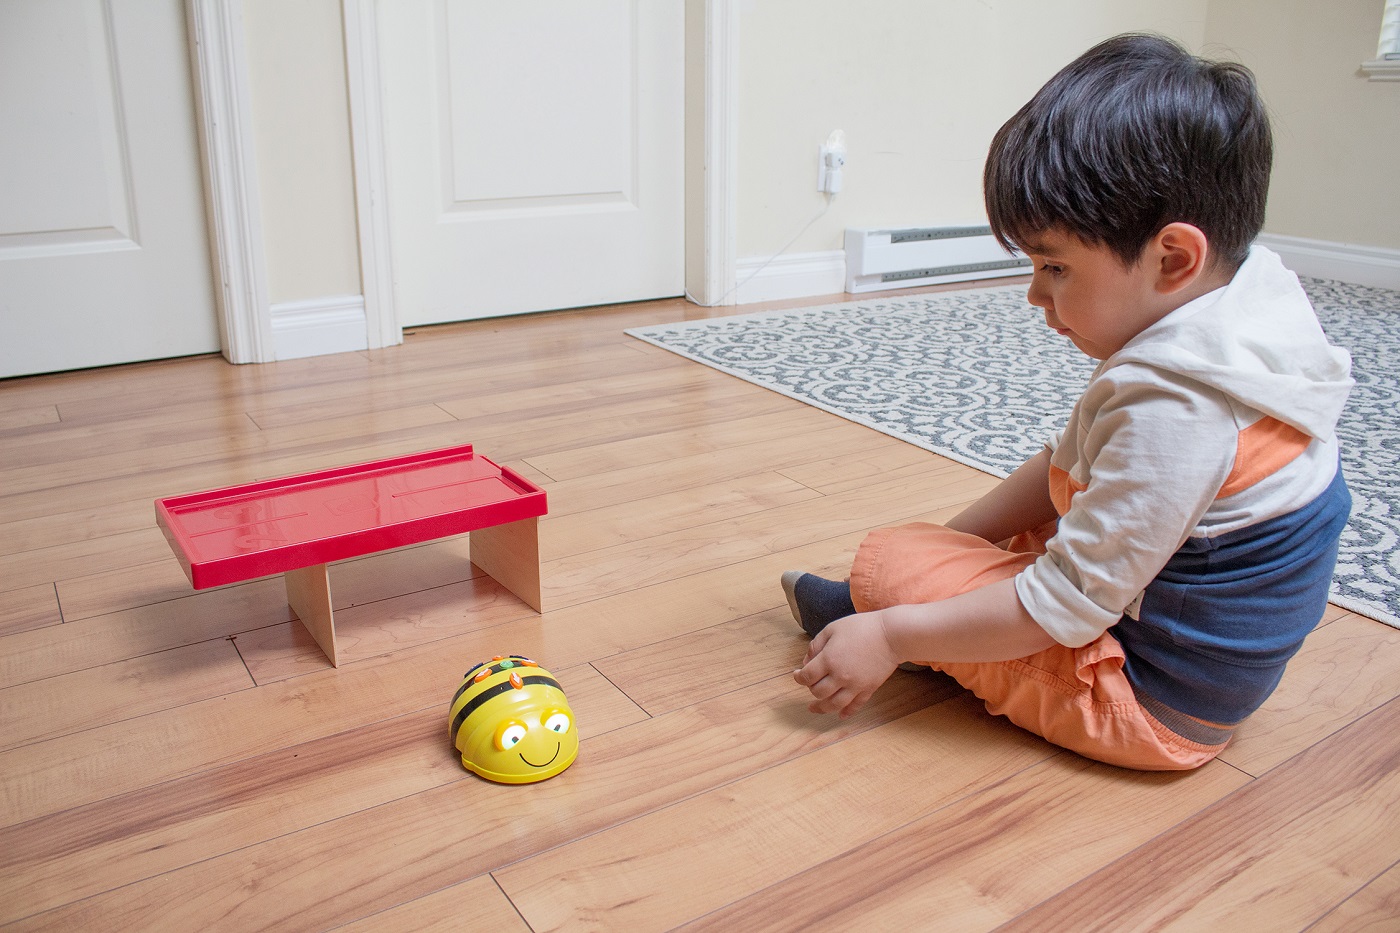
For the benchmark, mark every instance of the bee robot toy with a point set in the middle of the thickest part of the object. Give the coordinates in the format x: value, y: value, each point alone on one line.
x: 511, y: 722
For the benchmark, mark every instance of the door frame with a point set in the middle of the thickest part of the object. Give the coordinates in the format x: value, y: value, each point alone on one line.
x: 222, y: 113
x: 235, y: 219
x: 711, y: 169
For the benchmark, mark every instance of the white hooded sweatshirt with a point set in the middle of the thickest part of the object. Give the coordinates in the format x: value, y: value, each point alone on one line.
x: 1219, y: 416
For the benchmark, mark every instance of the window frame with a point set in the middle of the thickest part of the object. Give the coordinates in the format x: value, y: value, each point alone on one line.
x: 1386, y: 65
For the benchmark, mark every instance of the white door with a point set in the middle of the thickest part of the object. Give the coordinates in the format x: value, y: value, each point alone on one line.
x: 534, y: 154
x: 104, y: 255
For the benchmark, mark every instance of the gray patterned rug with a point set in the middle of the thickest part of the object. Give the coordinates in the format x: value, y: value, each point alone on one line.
x: 975, y: 376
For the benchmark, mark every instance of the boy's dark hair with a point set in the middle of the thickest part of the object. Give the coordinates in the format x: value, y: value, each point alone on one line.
x: 1133, y: 135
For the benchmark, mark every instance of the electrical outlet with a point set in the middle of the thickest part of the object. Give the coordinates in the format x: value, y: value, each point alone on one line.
x: 831, y: 159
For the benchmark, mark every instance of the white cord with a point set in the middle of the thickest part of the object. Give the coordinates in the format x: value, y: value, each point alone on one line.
x: 830, y: 196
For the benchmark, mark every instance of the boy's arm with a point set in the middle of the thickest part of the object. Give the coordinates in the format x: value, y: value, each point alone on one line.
x: 1021, y: 502
x: 853, y: 656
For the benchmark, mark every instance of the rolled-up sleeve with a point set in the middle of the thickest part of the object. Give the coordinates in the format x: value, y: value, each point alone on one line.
x: 1147, y: 452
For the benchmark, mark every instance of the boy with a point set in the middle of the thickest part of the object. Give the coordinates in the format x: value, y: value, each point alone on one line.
x: 1133, y: 591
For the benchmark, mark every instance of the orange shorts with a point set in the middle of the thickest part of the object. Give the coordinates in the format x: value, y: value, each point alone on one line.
x: 1077, y: 698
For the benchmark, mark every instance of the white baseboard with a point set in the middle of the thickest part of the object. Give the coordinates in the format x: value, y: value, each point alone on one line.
x: 1345, y: 262
x: 802, y: 275
x: 319, y: 326
x: 798, y: 275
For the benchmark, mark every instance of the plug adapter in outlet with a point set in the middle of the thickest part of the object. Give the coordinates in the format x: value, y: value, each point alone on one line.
x: 831, y: 159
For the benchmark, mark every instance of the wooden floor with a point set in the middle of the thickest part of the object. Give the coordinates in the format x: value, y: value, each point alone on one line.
x: 179, y: 761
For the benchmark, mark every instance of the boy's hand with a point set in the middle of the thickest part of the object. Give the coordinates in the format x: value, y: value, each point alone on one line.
x: 846, y: 663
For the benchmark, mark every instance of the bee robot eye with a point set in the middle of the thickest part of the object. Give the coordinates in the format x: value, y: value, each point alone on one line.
x: 509, y: 735
x: 511, y: 722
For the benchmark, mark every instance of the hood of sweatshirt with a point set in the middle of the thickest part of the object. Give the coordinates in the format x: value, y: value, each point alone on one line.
x: 1257, y: 339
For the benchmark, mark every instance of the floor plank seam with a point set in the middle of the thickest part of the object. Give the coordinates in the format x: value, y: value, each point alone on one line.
x: 612, y: 683
x: 77, y: 734
x: 1050, y: 753
x: 1338, y: 906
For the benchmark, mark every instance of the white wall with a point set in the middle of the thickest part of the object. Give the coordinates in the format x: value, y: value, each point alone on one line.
x: 695, y: 282
x: 1336, y: 134
x: 918, y: 87
x: 301, y: 135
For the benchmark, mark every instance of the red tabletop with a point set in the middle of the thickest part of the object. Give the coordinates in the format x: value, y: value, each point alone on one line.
x: 227, y: 535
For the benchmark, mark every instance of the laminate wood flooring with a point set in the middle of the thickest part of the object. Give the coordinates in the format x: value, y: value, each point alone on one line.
x: 190, y: 761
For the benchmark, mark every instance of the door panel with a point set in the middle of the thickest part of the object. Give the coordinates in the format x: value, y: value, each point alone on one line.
x: 534, y: 154
x: 103, y: 250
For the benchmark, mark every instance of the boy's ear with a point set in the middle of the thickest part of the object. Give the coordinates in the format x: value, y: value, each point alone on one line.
x: 1181, y: 255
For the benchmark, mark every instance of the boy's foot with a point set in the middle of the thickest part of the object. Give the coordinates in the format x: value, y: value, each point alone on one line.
x: 816, y: 602
x: 789, y: 582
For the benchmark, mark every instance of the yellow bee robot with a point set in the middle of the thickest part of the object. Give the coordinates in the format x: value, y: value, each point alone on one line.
x: 511, y: 722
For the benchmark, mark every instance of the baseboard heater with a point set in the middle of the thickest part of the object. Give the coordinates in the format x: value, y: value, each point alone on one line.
x: 884, y: 259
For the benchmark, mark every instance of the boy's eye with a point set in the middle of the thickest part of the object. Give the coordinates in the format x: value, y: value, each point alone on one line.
x: 1053, y: 270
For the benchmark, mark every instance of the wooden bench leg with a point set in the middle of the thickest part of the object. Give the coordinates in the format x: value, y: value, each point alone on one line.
x: 309, y: 595
x: 510, y: 554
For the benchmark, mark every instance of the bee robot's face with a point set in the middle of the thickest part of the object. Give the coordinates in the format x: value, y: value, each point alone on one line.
x: 511, y: 722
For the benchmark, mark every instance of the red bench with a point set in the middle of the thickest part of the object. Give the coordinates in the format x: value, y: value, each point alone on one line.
x: 296, y: 525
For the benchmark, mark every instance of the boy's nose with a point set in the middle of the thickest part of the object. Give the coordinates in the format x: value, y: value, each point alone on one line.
x: 1037, y: 294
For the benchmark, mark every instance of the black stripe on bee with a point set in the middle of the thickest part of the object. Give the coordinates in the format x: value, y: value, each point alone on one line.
x: 491, y: 693
x: 504, y: 664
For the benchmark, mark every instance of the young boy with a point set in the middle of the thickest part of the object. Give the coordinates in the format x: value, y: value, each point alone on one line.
x: 1133, y: 591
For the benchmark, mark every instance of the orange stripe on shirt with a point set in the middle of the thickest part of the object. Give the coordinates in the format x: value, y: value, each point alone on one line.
x: 1062, y: 489
x: 1265, y: 447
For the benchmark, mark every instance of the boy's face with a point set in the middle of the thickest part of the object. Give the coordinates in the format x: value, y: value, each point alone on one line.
x: 1087, y: 293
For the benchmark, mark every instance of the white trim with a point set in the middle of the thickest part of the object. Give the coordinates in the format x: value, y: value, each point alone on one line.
x: 371, y: 185
x: 721, y: 152
x: 1382, y: 69
x: 230, y: 173
x: 1347, y: 262
x: 803, y: 275
x: 317, y: 326
x: 1386, y: 65
x: 797, y: 275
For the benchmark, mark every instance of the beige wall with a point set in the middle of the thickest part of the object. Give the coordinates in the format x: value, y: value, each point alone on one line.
x: 694, y: 147
x: 301, y: 135
x: 1336, y: 134
x: 918, y: 87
